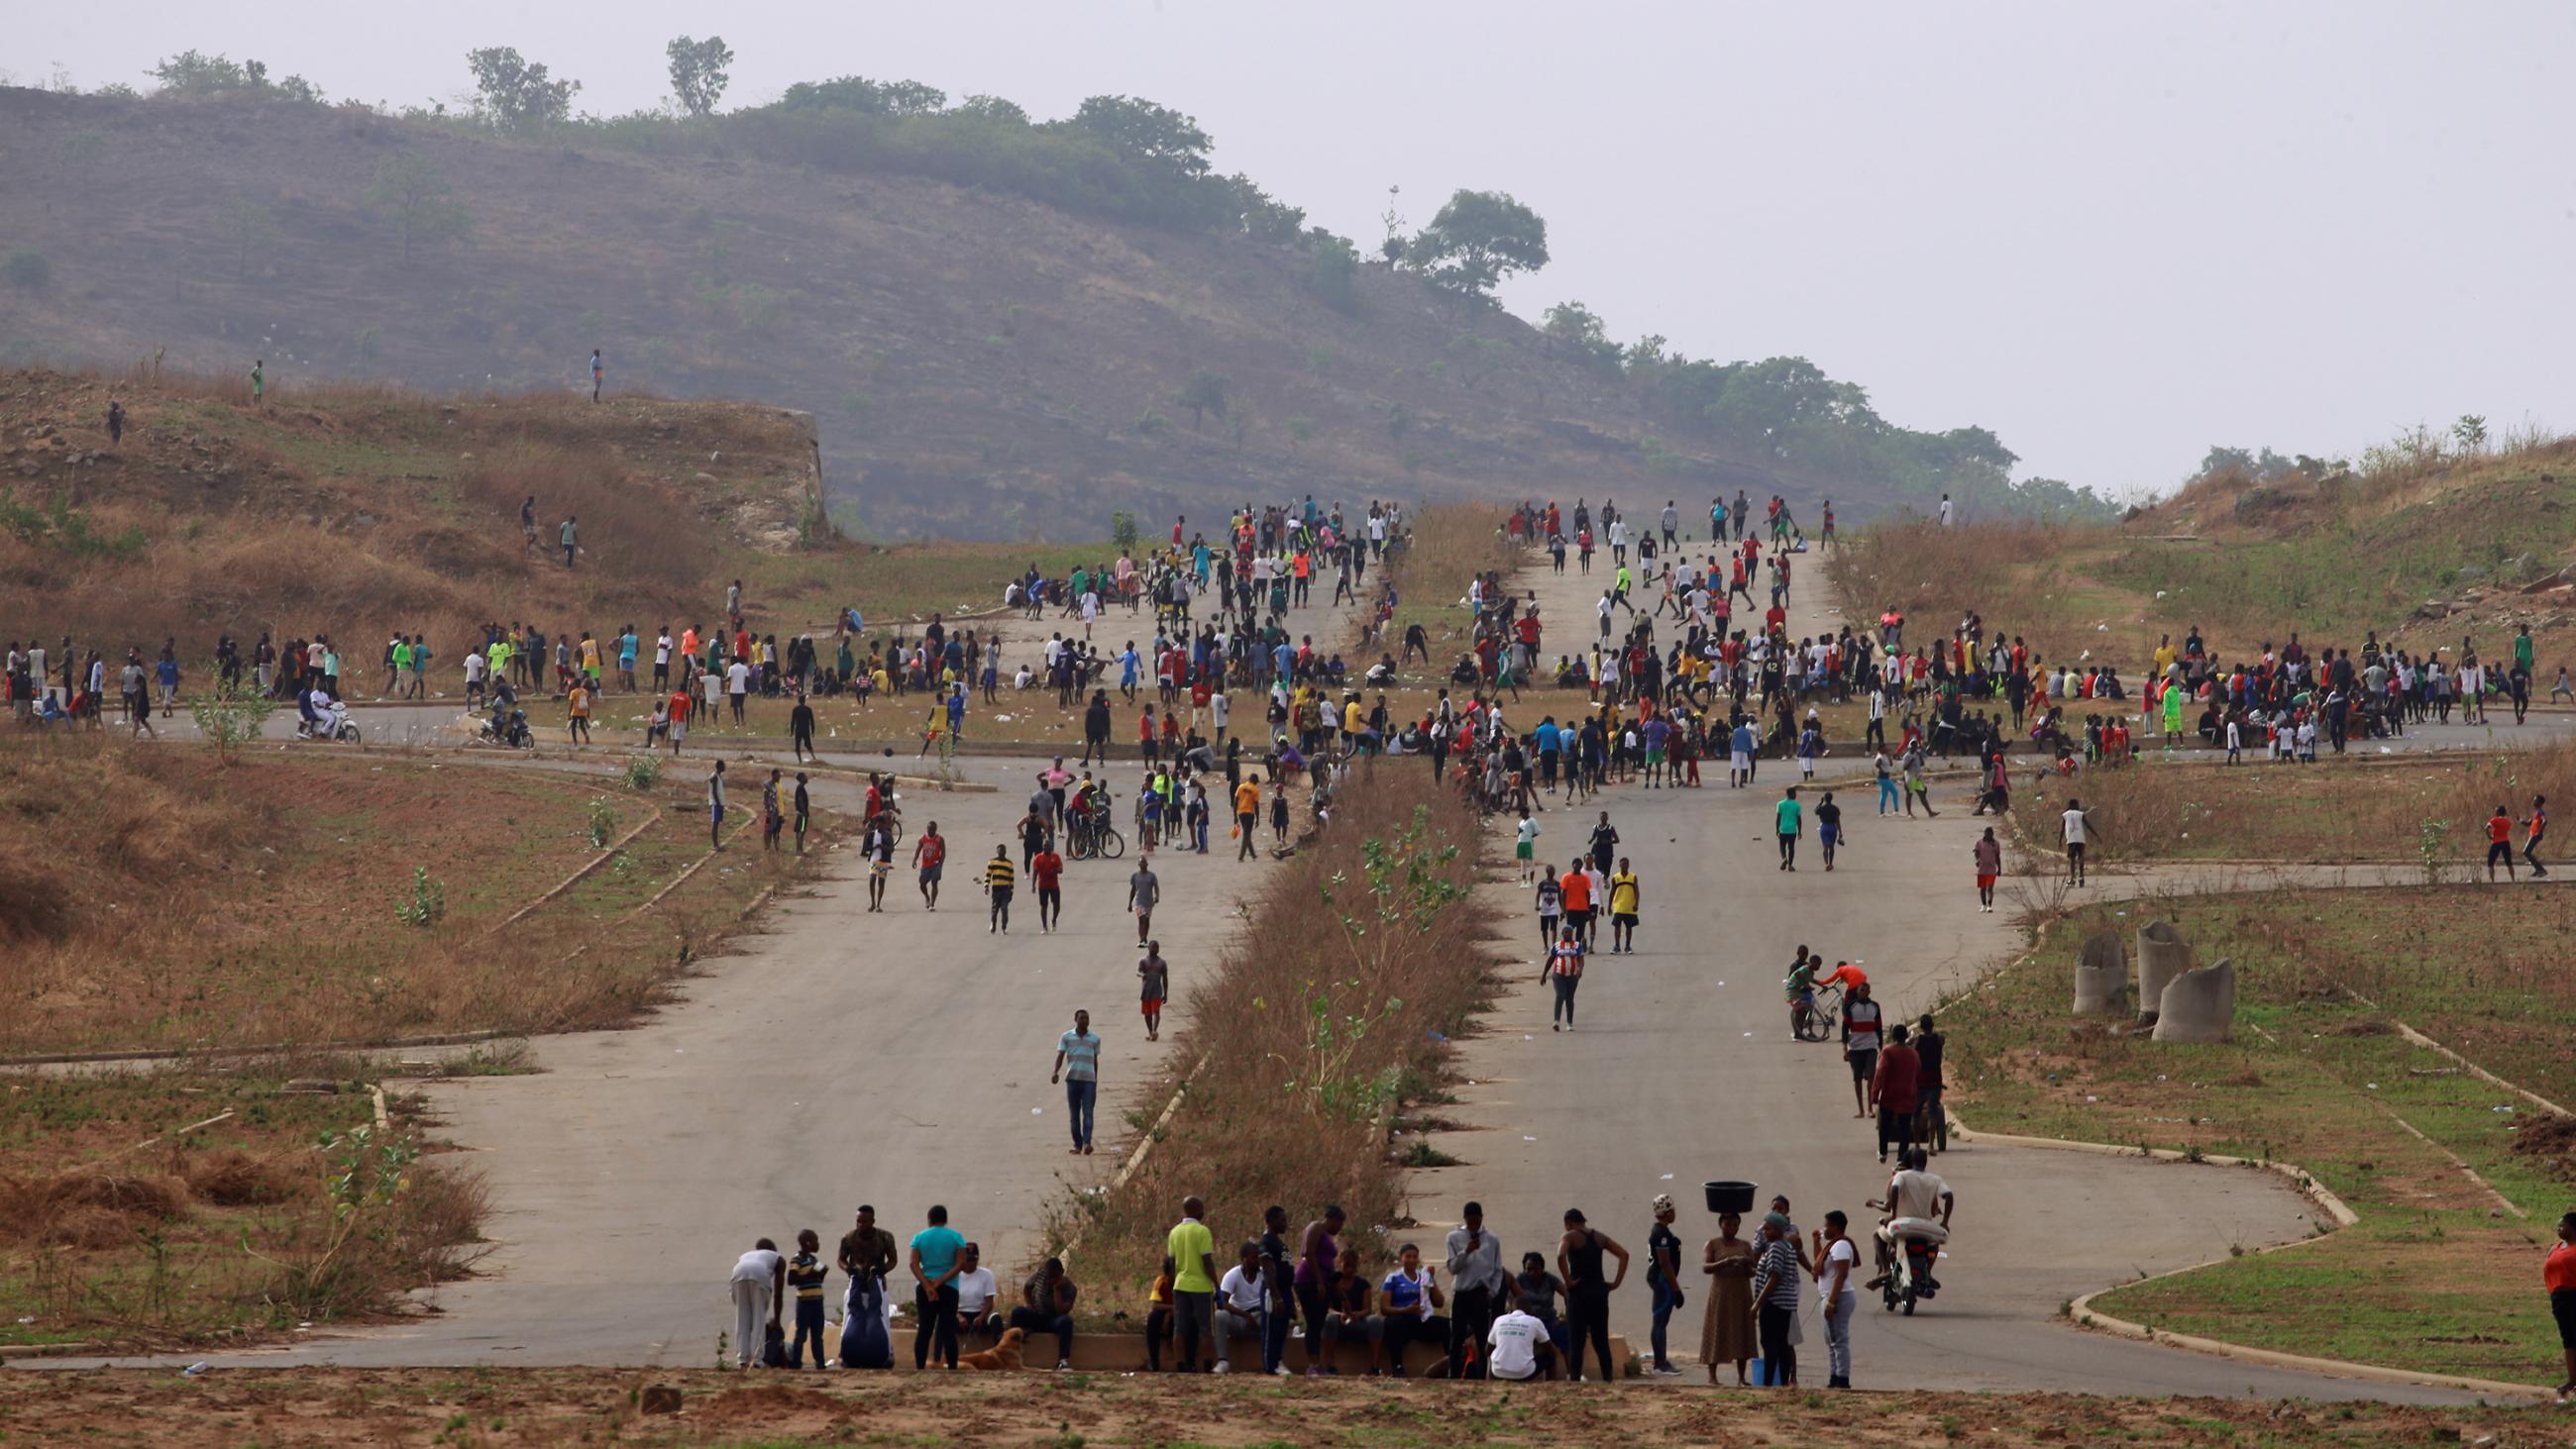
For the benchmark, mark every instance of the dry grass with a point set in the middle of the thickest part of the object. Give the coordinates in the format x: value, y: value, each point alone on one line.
x: 1316, y: 1025
x: 2010, y: 573
x: 2371, y: 808
x: 1452, y: 543
x: 213, y: 906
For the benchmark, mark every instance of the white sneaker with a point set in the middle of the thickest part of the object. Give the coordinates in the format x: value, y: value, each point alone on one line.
x: 1281, y: 1371
x: 1223, y: 1367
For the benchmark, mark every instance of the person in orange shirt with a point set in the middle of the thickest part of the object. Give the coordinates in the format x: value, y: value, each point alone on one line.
x: 679, y: 718
x: 1576, y: 888
x: 1845, y: 975
x: 2559, y: 1273
x: 2499, y: 843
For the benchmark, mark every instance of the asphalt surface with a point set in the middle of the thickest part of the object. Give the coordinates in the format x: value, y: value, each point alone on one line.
x: 901, y: 1059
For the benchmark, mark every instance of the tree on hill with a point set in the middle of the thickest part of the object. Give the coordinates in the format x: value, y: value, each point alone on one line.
x: 1147, y: 132
x: 698, y: 75
x: 411, y: 189
x: 994, y: 108
x: 1478, y: 239
x: 858, y: 93
x: 515, y: 95
x: 1577, y: 329
x: 1206, y: 392
x: 195, y: 73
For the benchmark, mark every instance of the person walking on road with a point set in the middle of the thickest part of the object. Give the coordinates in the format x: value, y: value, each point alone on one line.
x: 928, y: 853
x: 1144, y: 891
x: 1829, y: 828
x: 1247, y: 813
x: 1787, y: 813
x: 1861, y: 1017
x: 1894, y: 1090
x: 1525, y: 843
x: 1835, y: 1260
x: 1077, y: 1065
x: 1990, y: 864
x: 1587, y: 1292
x: 999, y: 877
x: 1726, y: 1325
x: 938, y: 1251
x: 759, y: 1283
x: 1154, y: 982
x: 1624, y: 897
x: 1046, y: 868
x: 1663, y: 1279
x: 1564, y: 972
x: 716, y: 806
x: 1551, y: 906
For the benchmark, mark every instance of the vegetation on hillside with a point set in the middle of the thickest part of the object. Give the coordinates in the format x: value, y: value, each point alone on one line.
x: 1129, y: 160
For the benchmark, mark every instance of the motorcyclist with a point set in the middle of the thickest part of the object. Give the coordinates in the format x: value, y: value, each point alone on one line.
x: 1915, y: 1194
x: 504, y: 700
x: 311, y: 708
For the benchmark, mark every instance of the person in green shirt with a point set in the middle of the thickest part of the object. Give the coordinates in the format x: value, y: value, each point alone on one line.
x: 259, y: 382
x: 1790, y: 814
x: 2173, y: 715
x: 1193, y: 1250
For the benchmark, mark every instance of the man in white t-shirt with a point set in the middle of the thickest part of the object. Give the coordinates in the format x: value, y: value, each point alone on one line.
x: 1239, y: 1305
x: 2071, y: 825
x: 737, y: 685
x: 975, y: 1293
x: 759, y: 1281
x: 1521, y: 1348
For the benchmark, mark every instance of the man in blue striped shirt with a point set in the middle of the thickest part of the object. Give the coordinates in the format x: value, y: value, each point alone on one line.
x: 1077, y: 1065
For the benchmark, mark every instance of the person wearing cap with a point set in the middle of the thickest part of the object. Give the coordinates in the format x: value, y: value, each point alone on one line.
x: 976, y: 1293
x: 2559, y: 1274
x: 1479, y: 1288
x: 1663, y: 1278
x: 1775, y: 1297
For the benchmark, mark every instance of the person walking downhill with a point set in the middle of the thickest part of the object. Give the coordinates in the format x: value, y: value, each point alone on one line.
x: 1564, y: 972
x: 1990, y: 864
x: 1077, y: 1065
x: 1000, y: 876
x: 1154, y: 982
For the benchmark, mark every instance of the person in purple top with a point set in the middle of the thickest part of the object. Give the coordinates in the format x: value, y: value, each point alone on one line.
x: 1314, y: 1281
x: 1659, y: 733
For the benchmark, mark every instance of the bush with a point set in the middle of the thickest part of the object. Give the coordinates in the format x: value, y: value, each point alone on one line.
x: 644, y: 771
x: 27, y: 270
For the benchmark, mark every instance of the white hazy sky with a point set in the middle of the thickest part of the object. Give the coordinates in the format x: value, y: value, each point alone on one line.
x: 2114, y: 233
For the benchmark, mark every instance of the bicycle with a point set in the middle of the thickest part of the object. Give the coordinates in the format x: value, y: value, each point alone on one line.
x: 1813, y: 1019
x: 1932, y: 1124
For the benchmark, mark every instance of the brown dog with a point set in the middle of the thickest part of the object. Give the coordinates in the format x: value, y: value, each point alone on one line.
x: 1003, y: 1357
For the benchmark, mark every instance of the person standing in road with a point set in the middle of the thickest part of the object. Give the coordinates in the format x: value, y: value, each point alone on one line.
x: 1775, y: 1296
x: 1551, y: 906
x: 716, y: 806
x: 1193, y: 1255
x: 1623, y: 909
x: 1077, y: 1065
x: 1479, y: 1288
x: 1861, y: 1018
x: 1154, y: 982
x: 2073, y: 827
x: 1663, y: 1279
x: 1587, y: 1294
x: 938, y: 1251
x: 759, y: 1283
x: 1990, y: 864
x: 1835, y: 1260
x: 1787, y: 813
x: 1144, y: 891
x: 1046, y: 868
x: 1894, y: 1091
x: 1564, y: 973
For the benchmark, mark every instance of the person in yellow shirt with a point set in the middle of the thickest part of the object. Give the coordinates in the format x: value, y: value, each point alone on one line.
x: 1247, y: 810
x: 1193, y: 1253
x: 1623, y: 909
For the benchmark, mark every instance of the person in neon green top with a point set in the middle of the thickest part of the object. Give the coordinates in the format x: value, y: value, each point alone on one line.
x: 2173, y: 714
x: 1791, y: 814
x: 1193, y: 1250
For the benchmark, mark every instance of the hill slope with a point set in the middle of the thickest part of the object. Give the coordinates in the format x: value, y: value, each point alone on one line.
x: 980, y: 364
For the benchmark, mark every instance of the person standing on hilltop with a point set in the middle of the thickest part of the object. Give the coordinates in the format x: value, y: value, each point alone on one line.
x: 115, y: 422
x: 259, y: 382
x: 571, y: 538
x: 598, y: 374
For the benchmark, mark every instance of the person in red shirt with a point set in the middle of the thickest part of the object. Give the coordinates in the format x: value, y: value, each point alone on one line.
x: 1047, y: 869
x: 2532, y: 830
x: 2499, y: 843
x: 2559, y: 1273
x: 1892, y: 1091
x: 680, y: 705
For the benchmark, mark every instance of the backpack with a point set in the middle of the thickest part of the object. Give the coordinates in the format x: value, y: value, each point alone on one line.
x: 773, y: 1347
x: 864, y: 1341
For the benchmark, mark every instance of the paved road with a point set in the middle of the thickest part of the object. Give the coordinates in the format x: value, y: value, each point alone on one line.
x: 1682, y: 1070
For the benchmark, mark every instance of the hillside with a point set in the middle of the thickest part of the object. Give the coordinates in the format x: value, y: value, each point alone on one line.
x: 980, y: 364
x: 361, y: 512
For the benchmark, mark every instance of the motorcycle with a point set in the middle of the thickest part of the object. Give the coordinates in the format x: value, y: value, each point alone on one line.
x: 1908, y: 1248
x: 333, y: 726
x: 510, y: 731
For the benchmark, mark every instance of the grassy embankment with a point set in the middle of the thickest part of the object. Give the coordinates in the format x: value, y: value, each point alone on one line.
x: 157, y: 898
x: 1315, y: 1028
x: 2456, y: 1180
x: 2249, y: 563
x: 296, y: 1408
x: 2414, y: 810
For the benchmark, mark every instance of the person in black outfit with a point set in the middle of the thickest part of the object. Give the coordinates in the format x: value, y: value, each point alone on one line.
x: 1587, y: 1294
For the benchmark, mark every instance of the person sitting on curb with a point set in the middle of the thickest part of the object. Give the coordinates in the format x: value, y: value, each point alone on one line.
x: 1046, y: 1306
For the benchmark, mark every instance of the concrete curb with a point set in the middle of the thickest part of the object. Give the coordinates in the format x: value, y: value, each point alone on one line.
x: 270, y: 1049
x: 2299, y: 1179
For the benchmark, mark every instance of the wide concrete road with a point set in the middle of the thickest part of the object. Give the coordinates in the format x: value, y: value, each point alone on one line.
x: 1682, y: 1069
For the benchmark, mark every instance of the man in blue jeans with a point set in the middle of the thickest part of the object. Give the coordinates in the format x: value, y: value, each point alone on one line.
x: 1077, y: 1065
